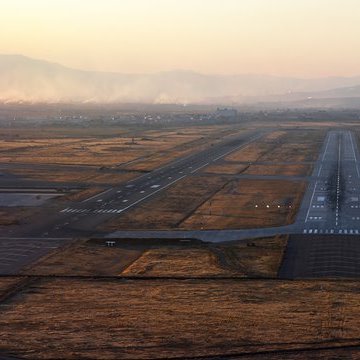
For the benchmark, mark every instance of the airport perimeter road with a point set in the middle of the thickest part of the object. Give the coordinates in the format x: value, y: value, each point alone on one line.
x: 332, y: 202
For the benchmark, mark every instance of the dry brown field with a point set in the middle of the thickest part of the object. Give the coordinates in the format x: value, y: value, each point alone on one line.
x: 252, y: 258
x: 109, y: 149
x: 17, y: 215
x: 143, y: 319
x: 136, y: 257
x: 90, y: 177
x: 80, y: 259
x: 228, y: 168
x: 284, y: 169
x: 280, y: 146
x: 249, y: 204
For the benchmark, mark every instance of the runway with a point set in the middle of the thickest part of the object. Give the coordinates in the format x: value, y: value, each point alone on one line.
x: 329, y: 218
x: 332, y: 203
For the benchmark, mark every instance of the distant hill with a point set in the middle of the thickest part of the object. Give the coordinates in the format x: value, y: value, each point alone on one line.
x: 29, y: 80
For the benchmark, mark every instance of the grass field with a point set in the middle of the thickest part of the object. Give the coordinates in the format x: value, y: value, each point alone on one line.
x: 91, y: 177
x: 82, y: 260
x: 249, y: 204
x: 140, y: 148
x: 66, y: 318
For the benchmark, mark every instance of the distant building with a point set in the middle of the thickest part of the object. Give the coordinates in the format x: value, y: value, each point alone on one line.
x: 226, y: 113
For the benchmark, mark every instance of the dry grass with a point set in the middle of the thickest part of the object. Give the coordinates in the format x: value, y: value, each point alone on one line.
x: 85, y: 260
x: 83, y: 176
x: 288, y: 170
x: 112, y: 319
x: 139, y: 148
x: 177, y: 262
x: 252, y: 152
x: 16, y: 215
x: 243, y: 204
x: 6, y: 285
x: 254, y: 258
x: 226, y: 168
x: 292, y: 146
x: 137, y: 257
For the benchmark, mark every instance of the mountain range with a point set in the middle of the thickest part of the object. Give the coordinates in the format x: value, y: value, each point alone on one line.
x: 23, y: 79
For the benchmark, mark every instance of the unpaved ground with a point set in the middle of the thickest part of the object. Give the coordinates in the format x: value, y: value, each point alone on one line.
x: 80, y: 259
x: 151, y: 147
x: 249, y: 204
x: 65, y: 318
x: 144, y: 257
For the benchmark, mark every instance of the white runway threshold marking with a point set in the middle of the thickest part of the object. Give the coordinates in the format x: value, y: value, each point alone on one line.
x: 331, y: 231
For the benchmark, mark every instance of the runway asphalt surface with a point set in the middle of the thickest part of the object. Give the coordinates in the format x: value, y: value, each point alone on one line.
x: 329, y: 217
x: 333, y: 207
x: 321, y: 256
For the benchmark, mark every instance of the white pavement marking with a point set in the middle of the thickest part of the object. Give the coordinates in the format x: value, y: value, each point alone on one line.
x: 316, y: 183
x: 200, y: 167
x: 237, y: 148
x: 320, y: 170
x: 338, y: 184
x: 325, y: 151
x: 154, y: 192
x: 97, y: 195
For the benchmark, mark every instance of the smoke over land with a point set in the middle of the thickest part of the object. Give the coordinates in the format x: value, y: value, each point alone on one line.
x: 27, y: 80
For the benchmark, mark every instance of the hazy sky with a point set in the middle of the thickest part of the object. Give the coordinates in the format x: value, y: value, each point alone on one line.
x: 284, y: 37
